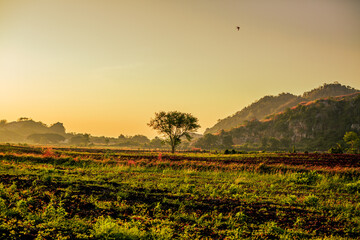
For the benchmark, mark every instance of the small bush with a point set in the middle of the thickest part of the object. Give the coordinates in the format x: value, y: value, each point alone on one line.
x: 162, y: 232
x: 305, y: 178
x: 311, y: 200
x: 336, y: 149
x: 3, y: 206
x: 269, y: 230
x: 54, y: 213
x: 289, y: 199
x: 353, y: 187
x: 108, y: 228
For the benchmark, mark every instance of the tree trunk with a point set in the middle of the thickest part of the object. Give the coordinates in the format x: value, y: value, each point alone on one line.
x: 173, y: 148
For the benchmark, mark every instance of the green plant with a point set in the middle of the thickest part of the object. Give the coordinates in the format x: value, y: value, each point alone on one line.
x: 268, y: 230
x: 311, y: 200
x: 353, y: 187
x: 161, y: 232
x: 353, y: 140
x: 305, y: 177
x: 336, y: 149
x: 290, y: 199
x: 54, y: 212
x: 3, y: 206
x: 108, y: 228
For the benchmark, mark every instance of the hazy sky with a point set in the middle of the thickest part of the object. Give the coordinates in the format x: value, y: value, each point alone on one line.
x: 105, y: 67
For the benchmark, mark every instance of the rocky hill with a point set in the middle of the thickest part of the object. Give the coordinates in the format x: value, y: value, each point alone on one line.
x: 310, y: 125
x: 268, y: 105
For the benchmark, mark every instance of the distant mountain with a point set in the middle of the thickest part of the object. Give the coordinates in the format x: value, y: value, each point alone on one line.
x: 311, y: 125
x: 27, y: 129
x: 269, y: 105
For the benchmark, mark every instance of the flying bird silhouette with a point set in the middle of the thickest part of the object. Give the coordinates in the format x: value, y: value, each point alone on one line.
x: 238, y: 28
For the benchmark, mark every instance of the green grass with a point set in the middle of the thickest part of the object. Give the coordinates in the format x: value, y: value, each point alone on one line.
x: 75, y: 196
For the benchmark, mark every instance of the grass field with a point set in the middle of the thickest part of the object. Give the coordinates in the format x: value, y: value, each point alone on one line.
x: 111, y: 194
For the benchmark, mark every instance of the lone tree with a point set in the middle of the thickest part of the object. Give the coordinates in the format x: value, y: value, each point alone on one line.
x: 174, y: 125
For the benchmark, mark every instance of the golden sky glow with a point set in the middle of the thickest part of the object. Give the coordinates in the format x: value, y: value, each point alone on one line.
x: 105, y: 67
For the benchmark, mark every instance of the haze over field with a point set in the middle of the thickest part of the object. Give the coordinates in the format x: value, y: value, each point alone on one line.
x: 105, y: 67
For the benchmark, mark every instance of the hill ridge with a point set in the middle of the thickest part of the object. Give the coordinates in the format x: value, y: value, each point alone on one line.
x: 312, y: 125
x: 271, y: 104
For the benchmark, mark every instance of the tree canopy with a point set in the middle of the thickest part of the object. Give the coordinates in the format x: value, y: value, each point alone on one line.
x: 174, y: 125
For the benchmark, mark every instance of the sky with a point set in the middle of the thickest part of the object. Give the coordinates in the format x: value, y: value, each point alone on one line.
x: 105, y: 67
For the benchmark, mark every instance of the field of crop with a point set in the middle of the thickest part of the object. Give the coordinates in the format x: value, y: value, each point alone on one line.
x: 65, y: 193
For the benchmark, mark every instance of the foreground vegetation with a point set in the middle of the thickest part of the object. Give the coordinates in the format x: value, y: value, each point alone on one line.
x: 110, y: 194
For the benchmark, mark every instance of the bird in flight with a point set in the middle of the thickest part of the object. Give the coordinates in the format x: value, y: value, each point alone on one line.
x: 238, y: 28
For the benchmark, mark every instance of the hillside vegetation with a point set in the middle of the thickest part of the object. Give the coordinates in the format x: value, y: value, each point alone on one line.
x: 314, y: 125
x: 274, y: 104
